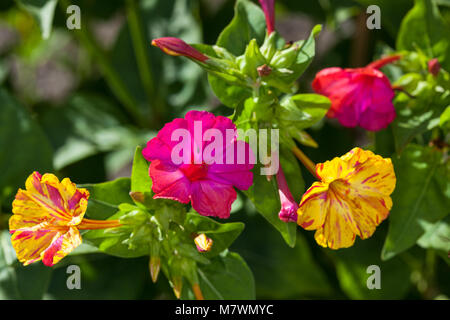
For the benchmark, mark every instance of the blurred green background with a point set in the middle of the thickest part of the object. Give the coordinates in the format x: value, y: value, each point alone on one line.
x: 78, y: 103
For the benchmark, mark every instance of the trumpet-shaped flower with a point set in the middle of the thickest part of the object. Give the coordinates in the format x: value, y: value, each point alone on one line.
x: 359, y: 97
x: 268, y: 7
x: 288, y: 211
x: 214, y: 162
x: 352, y: 198
x: 177, y: 47
x: 46, y: 218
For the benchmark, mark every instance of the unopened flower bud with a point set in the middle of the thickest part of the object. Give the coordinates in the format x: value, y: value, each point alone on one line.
x: 177, y: 47
x: 434, y: 66
x: 154, y: 266
x: 177, y: 285
x: 203, y: 243
x: 137, y: 196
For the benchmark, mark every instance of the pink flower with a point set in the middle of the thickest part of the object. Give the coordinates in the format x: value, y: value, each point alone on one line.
x: 177, y: 47
x: 212, y: 163
x: 361, y: 96
x: 289, y: 207
x: 269, y: 12
x: 434, y: 66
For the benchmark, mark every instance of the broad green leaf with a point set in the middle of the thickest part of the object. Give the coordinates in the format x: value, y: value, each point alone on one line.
x: 41, y: 10
x: 248, y: 23
x: 351, y: 269
x: 223, y: 235
x: 302, y: 110
x: 105, y: 197
x: 227, y: 277
x: 281, y: 272
x: 423, y: 28
x: 422, y: 194
x: 229, y: 95
x: 24, y: 146
x: 90, y: 124
x: 264, y: 195
x: 177, y: 82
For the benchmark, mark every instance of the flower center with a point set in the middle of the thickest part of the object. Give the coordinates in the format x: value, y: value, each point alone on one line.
x: 195, y: 171
x: 339, y: 186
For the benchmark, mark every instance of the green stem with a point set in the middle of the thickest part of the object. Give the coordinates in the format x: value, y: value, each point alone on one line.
x: 144, y: 67
x: 111, y: 76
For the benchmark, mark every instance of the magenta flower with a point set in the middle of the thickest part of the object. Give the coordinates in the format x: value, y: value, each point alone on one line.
x: 198, y: 159
x: 268, y: 7
x: 361, y: 96
x: 177, y: 47
x: 289, y: 207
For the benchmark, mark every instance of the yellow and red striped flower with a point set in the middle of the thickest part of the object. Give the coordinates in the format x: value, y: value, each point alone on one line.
x: 46, y: 219
x: 352, y: 198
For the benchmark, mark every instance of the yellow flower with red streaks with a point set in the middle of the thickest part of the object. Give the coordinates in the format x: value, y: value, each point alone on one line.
x: 352, y: 198
x: 46, y: 219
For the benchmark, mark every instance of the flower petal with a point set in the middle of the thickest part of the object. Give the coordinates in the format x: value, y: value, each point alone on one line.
x: 47, y: 198
x: 210, y: 198
x: 61, y: 246
x: 169, y: 182
x: 313, y: 207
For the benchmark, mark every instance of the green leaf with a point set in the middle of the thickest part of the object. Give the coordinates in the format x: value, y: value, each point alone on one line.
x: 176, y: 82
x: 229, y: 95
x: 105, y: 197
x: 444, y: 120
x: 423, y: 28
x: 27, y: 146
x: 264, y: 195
x: 140, y: 179
x: 90, y: 124
x: 227, y: 277
x: 293, y: 173
x: 351, y: 269
x: 248, y: 23
x: 422, y: 194
x: 436, y: 236
x: 420, y: 114
x: 302, y: 110
x: 223, y: 235
x: 43, y: 11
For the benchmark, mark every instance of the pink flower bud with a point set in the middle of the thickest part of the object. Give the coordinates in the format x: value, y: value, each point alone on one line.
x: 177, y: 47
x: 269, y: 11
x: 434, y: 66
x: 289, y: 207
x: 203, y: 243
